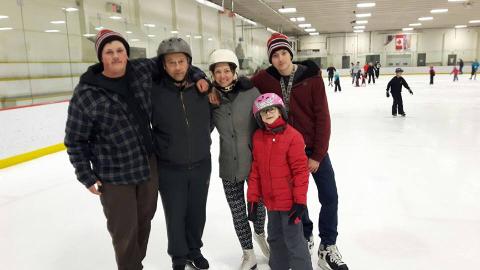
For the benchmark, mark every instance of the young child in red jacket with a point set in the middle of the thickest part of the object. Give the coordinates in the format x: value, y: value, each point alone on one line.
x: 279, y: 177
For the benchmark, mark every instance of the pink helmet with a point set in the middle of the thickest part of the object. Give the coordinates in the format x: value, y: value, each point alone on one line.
x: 268, y: 100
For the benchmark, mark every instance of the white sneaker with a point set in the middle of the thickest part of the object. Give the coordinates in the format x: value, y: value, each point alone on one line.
x: 262, y: 243
x: 311, y: 244
x: 329, y: 258
x: 249, y: 261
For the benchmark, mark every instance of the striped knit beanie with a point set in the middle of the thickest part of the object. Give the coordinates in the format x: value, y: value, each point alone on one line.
x: 278, y: 41
x: 105, y: 36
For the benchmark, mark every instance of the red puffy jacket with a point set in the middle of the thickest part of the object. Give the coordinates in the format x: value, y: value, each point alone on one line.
x: 279, y: 172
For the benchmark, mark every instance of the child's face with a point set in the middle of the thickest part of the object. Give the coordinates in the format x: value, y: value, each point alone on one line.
x: 269, y: 115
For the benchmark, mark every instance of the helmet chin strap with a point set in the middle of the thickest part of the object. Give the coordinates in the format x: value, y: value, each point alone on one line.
x: 226, y: 88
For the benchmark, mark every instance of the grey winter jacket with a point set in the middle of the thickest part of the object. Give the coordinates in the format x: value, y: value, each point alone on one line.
x: 236, y: 124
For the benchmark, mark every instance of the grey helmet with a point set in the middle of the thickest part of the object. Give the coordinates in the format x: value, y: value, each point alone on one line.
x: 174, y: 45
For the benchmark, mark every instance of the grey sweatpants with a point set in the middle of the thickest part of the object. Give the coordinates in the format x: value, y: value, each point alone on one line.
x: 288, y: 247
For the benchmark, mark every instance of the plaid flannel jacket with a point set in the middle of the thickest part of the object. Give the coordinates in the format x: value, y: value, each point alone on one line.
x: 102, y: 136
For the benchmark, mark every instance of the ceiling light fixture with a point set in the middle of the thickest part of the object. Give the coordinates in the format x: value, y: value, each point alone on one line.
x: 457, y: 1
x: 304, y: 25
x: 287, y: 10
x: 128, y: 32
x: 363, y: 15
x: 115, y: 17
x: 425, y: 18
x: 474, y: 21
x: 57, y: 22
x: 310, y: 30
x: 361, y: 22
x: 210, y: 4
x: 415, y: 24
x: 407, y: 29
x: 5, y: 28
x: 174, y: 32
x: 3, y: 17
x: 366, y: 5
x: 359, y: 27
x: 460, y: 26
x: 440, y: 10
x: 70, y: 9
x: 314, y: 34
x: 151, y: 25
x: 151, y: 35
x: 300, y: 19
x: 210, y: 39
x: 271, y: 30
x: 89, y: 35
x: 358, y: 31
x: 197, y: 37
x: 52, y: 31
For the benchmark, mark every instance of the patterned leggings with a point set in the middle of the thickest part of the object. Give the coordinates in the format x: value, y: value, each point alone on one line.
x: 234, y: 191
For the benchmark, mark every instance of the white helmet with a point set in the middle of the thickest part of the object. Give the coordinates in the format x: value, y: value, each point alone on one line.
x: 222, y: 56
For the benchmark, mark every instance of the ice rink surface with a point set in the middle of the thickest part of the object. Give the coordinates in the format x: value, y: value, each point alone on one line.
x: 409, y: 192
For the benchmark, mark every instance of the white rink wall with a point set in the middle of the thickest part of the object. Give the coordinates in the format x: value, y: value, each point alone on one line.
x: 31, y: 128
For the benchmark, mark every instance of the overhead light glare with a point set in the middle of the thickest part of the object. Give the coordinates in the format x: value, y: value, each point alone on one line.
x: 52, y: 31
x: 415, y: 24
x: 151, y: 35
x: 304, y: 25
x: 128, y: 32
x: 89, y: 35
x: 366, y: 5
x: 457, y: 1
x: 3, y: 17
x: 363, y: 15
x: 174, y: 32
x: 358, y: 31
x: 314, y: 34
x: 197, y: 37
x: 361, y: 22
x: 210, y: 39
x: 115, y: 17
x: 98, y: 28
x: 70, y: 9
x: 287, y: 10
x: 134, y: 39
x: 57, y: 22
x: 188, y: 35
x: 5, y: 28
x: 151, y: 25
x: 460, y: 26
x: 474, y: 21
x: 359, y: 27
x: 310, y: 29
x: 425, y: 18
x: 440, y: 10
x: 407, y: 29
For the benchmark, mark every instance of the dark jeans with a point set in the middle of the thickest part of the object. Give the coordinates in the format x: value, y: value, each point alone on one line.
x: 371, y: 76
x: 184, y: 196
x: 328, y: 197
x: 337, y: 84
x: 397, y: 103
x: 377, y: 73
x: 431, y: 79
x: 129, y: 210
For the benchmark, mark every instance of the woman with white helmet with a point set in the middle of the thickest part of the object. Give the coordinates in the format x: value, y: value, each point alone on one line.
x: 235, y: 124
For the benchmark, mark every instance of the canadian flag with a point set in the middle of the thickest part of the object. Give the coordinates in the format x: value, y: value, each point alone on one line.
x: 400, y: 42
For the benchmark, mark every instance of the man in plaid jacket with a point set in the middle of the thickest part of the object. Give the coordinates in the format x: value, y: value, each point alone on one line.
x: 109, y: 142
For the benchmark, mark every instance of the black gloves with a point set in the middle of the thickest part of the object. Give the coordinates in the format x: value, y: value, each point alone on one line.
x: 411, y: 92
x: 296, y: 212
x: 252, y: 210
x: 388, y: 94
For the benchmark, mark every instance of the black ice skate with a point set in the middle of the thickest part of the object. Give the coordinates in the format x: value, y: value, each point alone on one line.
x: 199, y: 263
x: 402, y: 114
x: 329, y: 258
x: 179, y: 267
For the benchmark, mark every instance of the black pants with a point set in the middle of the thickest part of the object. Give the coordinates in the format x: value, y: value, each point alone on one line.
x: 377, y: 73
x: 184, y: 197
x: 397, y: 103
x: 129, y: 210
x: 337, y: 84
x: 328, y: 197
x: 330, y: 79
x: 431, y: 79
x: 371, y: 76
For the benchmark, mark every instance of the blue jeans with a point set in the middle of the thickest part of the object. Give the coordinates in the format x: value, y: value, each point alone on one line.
x: 328, y: 197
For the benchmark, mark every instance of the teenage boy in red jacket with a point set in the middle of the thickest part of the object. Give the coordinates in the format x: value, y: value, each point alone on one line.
x: 279, y: 177
x: 303, y: 93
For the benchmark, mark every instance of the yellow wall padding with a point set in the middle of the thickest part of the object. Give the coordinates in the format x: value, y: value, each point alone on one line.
x: 10, y: 161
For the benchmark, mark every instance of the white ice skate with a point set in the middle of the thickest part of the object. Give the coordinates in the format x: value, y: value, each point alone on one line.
x: 329, y: 258
x: 311, y: 244
x: 262, y: 243
x: 249, y: 261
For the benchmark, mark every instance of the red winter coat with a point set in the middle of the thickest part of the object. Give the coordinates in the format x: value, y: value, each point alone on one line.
x: 279, y: 172
x: 308, y: 106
